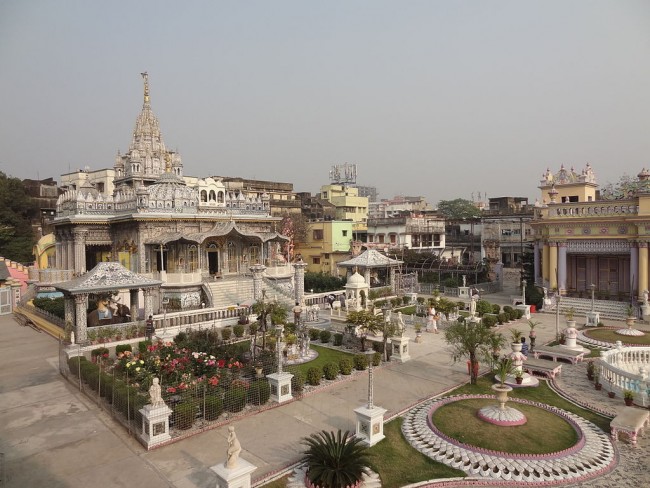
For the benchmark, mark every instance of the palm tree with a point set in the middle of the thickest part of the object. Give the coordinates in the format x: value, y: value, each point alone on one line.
x: 468, y: 340
x: 335, y: 460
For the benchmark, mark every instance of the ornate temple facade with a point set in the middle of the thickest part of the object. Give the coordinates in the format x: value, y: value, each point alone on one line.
x: 180, y: 230
x: 585, y: 236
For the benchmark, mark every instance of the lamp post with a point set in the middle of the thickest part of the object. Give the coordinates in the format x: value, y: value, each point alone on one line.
x: 593, y: 304
x: 523, y: 291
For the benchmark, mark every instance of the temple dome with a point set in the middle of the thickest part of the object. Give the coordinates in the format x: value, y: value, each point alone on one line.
x: 356, y: 279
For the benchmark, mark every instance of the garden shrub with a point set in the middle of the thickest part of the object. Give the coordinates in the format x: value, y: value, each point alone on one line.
x: 325, y: 336
x: 338, y: 339
x: 360, y: 362
x: 512, y: 314
x: 180, y: 337
x: 213, y: 407
x: 226, y: 333
x: 106, y: 386
x: 253, y: 328
x: 496, y: 308
x: 507, y: 309
x: 489, y: 320
x: 406, y: 299
x: 238, y: 330
x: 184, y: 414
x: 345, y: 366
x: 143, y: 345
x: 331, y: 371
x: 520, y: 313
x: 314, y: 334
x: 314, y: 374
x: 379, y: 303
x: 99, y: 352
x: 395, y: 302
x: 74, y: 364
x: 234, y: 399
x: 122, y: 348
x: 290, y: 328
x: 90, y: 374
x: 298, y: 381
x: 259, y: 392
x: 376, y: 359
x: 502, y: 318
x: 377, y: 346
x: 483, y: 307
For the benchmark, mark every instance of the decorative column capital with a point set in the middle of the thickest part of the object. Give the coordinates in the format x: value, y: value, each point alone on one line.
x: 642, y: 244
x: 81, y: 299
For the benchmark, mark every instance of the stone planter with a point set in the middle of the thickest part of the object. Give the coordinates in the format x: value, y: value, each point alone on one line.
x: 611, y: 394
x: 629, y: 401
x: 598, y: 386
x: 502, y: 394
x: 519, y: 380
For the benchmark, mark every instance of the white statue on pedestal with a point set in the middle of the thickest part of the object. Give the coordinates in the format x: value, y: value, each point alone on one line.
x: 155, y: 394
x: 234, y: 448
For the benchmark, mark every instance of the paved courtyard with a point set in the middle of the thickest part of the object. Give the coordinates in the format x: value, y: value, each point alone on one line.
x: 52, y: 435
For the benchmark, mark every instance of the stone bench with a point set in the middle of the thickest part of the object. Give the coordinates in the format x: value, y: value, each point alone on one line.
x: 631, y: 421
x: 542, y: 366
x: 556, y: 352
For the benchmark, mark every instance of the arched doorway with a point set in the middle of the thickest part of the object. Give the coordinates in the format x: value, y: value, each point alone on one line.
x: 213, y: 258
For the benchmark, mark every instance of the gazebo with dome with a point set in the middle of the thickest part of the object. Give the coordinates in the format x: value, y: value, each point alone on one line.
x: 371, y: 261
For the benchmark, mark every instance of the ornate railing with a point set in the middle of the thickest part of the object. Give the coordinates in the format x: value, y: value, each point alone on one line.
x: 590, y: 209
x: 615, y: 369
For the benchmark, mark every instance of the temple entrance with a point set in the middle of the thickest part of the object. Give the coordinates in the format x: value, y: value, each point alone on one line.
x: 213, y: 261
x: 609, y: 274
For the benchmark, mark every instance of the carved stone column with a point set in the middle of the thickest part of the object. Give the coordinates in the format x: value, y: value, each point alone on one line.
x: 59, y: 252
x: 561, y: 266
x: 69, y: 252
x: 634, y: 270
x: 69, y: 310
x: 81, y: 317
x: 299, y: 280
x: 148, y: 302
x: 552, y: 265
x: 536, y: 263
x: 133, y: 305
x: 258, y: 271
x: 393, y: 285
x: 546, y: 275
x: 643, y: 266
x: 80, y: 250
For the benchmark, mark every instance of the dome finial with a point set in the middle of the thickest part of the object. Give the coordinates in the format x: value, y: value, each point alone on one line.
x: 145, y: 77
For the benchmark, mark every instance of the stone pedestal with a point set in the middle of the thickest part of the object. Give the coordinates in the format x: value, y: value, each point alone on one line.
x: 400, y: 349
x: 645, y: 311
x: 237, y: 477
x: 280, y: 387
x: 525, y: 309
x: 370, y: 424
x: 592, y: 319
x: 155, y: 425
x: 463, y: 292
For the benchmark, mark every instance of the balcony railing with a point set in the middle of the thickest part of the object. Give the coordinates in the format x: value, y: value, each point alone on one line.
x: 590, y: 210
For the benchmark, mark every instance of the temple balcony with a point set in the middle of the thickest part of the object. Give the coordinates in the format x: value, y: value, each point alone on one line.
x: 595, y: 210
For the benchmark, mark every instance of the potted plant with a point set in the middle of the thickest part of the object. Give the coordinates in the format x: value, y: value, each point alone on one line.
x: 418, y: 332
x: 597, y: 384
x: 591, y: 370
x: 630, y: 316
x: 519, y: 377
x: 569, y: 314
x: 532, y: 324
x: 611, y: 394
x: 516, y: 339
x: 502, y: 369
x: 496, y: 342
x: 628, y: 397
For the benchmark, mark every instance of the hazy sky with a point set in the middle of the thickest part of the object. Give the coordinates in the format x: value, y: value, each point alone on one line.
x: 432, y: 98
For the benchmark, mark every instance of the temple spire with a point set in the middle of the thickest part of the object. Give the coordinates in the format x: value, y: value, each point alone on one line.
x: 145, y: 77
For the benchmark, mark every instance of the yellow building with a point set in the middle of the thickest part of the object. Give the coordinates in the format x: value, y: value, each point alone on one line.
x: 328, y: 243
x: 349, y: 205
x: 584, y: 235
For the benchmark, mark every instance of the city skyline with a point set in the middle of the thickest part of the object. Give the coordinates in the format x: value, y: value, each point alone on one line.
x: 439, y: 99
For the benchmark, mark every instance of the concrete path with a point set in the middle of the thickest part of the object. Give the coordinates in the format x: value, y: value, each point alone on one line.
x: 53, y: 436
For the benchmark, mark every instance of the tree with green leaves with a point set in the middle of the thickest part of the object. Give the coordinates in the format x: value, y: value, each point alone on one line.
x: 17, y: 210
x: 273, y: 310
x: 467, y: 339
x: 335, y: 460
x: 458, y: 209
x: 365, y: 322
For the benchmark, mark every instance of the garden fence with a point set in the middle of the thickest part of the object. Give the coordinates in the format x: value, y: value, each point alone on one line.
x: 120, y: 387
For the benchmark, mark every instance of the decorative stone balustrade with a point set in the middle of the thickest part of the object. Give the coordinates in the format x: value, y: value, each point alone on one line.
x: 591, y: 209
x: 46, y: 276
x: 626, y: 368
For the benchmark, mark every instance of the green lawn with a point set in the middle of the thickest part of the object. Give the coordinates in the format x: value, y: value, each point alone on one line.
x: 543, y: 433
x: 399, y: 464
x: 609, y: 335
x: 325, y: 355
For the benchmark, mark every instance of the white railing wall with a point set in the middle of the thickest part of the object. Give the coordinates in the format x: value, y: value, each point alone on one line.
x: 626, y: 368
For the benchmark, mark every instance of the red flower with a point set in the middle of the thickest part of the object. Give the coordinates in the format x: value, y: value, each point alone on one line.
x: 221, y: 363
x: 214, y: 381
x: 171, y: 389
